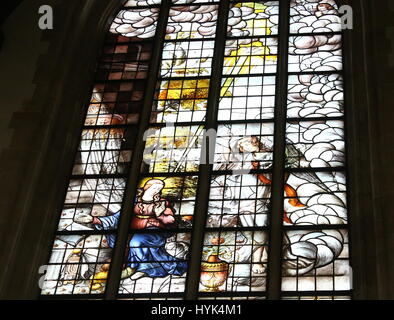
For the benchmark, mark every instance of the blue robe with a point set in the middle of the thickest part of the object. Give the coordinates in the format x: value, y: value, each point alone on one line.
x: 146, y: 251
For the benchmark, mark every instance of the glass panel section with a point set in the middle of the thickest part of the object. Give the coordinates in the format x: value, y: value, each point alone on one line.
x: 141, y: 3
x: 235, y: 257
x: 180, y: 101
x: 247, y: 98
x: 124, y: 61
x: 315, y: 53
x: 156, y: 263
x: 253, y: 18
x: 317, y: 144
x: 311, y: 16
x: 193, y: 1
x: 138, y: 23
x: 234, y: 261
x: 192, y: 22
x: 250, y: 56
x: 239, y: 200
x: 187, y: 59
x: 115, y: 103
x: 156, y: 257
x: 81, y: 253
x: 79, y: 264
x: 104, y: 151
x: 173, y: 195
x: 316, y: 260
x: 88, y: 199
x: 315, y: 95
x: 244, y: 146
x: 173, y: 149
x: 315, y: 198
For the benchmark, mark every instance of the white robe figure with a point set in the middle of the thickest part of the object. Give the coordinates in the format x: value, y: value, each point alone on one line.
x: 244, y: 196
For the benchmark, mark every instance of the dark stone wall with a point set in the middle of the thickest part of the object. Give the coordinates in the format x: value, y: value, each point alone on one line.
x: 381, y: 35
x: 46, y: 80
x: 369, y: 75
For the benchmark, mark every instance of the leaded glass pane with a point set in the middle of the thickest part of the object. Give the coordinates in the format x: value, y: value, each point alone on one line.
x: 315, y: 53
x: 314, y: 16
x: 316, y: 260
x: 82, y: 250
x: 247, y: 98
x: 239, y: 200
x: 254, y: 18
x: 315, y: 95
x: 161, y: 253
x: 163, y: 211
x: 250, y: 56
x: 115, y: 103
x: 317, y: 144
x: 181, y: 101
x: 139, y: 23
x: 90, y: 198
x: 244, y: 146
x: 193, y: 1
x: 173, y: 149
x: 192, y: 22
x: 78, y: 265
x: 187, y: 59
x: 316, y: 198
x: 139, y: 3
x: 234, y: 262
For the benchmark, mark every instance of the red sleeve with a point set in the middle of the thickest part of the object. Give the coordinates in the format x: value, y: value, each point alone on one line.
x: 168, y: 204
x: 169, y: 209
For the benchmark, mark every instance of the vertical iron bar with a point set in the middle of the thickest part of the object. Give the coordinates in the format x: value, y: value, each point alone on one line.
x: 131, y: 186
x: 276, y: 219
x: 200, y: 215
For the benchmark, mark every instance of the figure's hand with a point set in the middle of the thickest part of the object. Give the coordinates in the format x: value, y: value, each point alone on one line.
x: 166, y: 219
x: 83, y: 219
x: 255, y: 165
x: 159, y: 208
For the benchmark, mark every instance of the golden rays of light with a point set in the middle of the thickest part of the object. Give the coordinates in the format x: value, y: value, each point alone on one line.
x: 191, y: 94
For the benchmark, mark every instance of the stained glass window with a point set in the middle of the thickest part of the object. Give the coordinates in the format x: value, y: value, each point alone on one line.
x: 316, y: 243
x: 255, y: 88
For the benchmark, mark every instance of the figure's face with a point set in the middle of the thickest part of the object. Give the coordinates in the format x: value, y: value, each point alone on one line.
x: 154, y: 189
x: 249, y: 145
